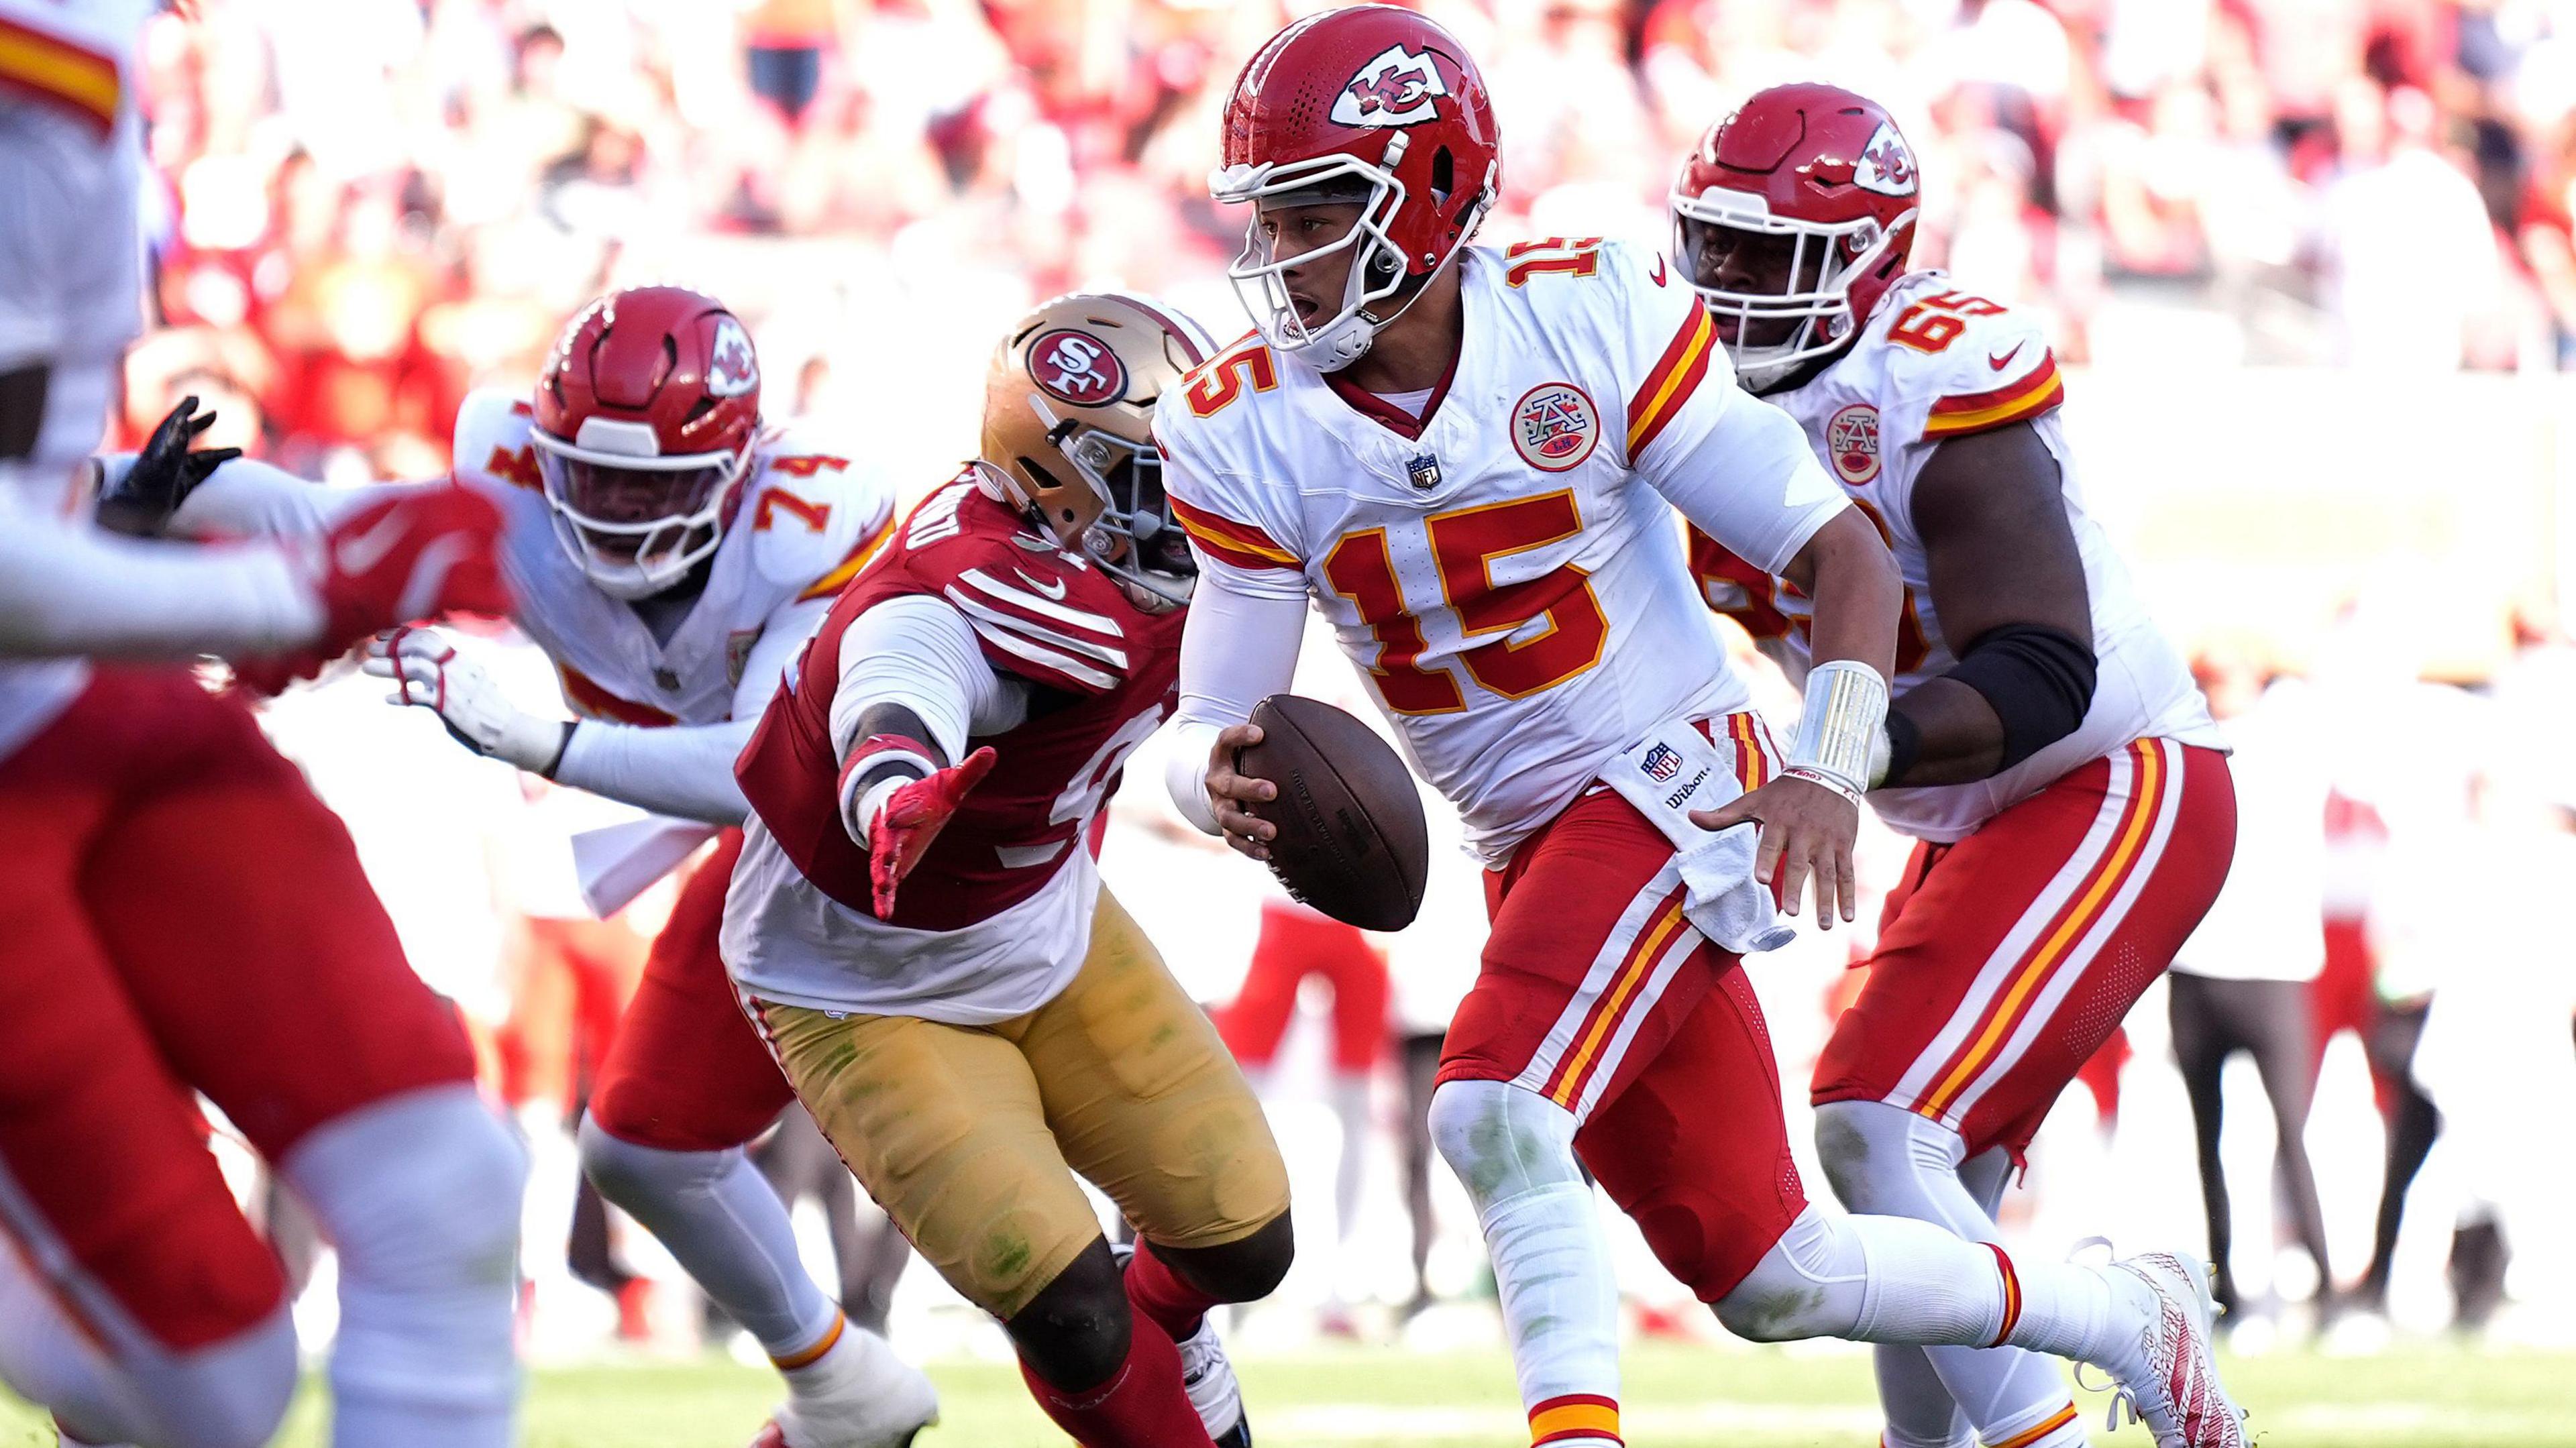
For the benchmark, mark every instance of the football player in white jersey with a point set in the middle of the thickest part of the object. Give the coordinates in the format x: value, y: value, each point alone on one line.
x: 1469, y: 459
x: 670, y: 552
x: 181, y: 915
x: 2046, y: 746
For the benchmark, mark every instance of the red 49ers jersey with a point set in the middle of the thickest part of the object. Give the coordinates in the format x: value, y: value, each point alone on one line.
x: 993, y: 920
x: 1935, y: 363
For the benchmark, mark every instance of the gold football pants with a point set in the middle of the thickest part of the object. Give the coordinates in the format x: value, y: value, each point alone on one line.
x: 970, y: 1136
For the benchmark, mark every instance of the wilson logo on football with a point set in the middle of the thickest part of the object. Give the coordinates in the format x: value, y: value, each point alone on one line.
x: 1886, y: 167
x: 1851, y: 437
x: 1395, y: 89
x: 1078, y: 368
x: 1555, y: 426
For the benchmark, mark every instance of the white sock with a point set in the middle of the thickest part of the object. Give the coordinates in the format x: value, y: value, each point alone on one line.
x: 1919, y: 1409
x: 1514, y: 1152
x: 853, y: 1387
x: 717, y: 1215
x: 1885, y: 1160
x: 420, y: 1194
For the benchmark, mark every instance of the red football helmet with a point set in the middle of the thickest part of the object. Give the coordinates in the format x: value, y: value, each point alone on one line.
x: 1814, y: 163
x: 1374, y: 104
x: 646, y: 415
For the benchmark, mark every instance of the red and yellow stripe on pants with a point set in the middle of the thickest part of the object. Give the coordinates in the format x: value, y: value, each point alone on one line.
x: 2022, y: 946
x: 1635, y: 962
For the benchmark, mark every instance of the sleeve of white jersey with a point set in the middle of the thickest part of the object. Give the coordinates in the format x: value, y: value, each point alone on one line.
x: 247, y: 498
x: 1231, y: 531
x: 817, y: 517
x: 1239, y: 647
x: 1735, y: 466
x: 1956, y: 365
x: 67, y: 589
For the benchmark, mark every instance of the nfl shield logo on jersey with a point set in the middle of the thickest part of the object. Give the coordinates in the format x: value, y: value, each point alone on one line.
x: 1554, y: 427
x: 1423, y: 470
x: 1661, y: 763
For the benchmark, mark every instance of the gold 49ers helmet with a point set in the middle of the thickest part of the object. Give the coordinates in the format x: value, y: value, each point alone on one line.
x: 1068, y: 431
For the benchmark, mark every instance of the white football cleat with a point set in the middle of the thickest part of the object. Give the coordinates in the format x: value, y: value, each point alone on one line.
x: 858, y: 1394
x: 2177, y: 1393
x: 1207, y: 1375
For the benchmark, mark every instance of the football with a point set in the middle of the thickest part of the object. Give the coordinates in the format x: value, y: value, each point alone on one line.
x: 1352, y: 841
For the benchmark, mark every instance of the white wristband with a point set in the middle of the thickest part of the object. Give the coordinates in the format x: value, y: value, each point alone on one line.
x: 1185, y: 772
x: 1842, y: 731
x: 873, y: 801
x: 862, y: 798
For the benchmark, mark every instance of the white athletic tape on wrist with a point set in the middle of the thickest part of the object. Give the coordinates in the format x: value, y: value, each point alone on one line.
x: 1842, y: 731
x: 898, y: 762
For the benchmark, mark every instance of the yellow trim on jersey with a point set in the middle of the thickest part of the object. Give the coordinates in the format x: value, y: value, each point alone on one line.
x: 839, y: 578
x: 1678, y: 381
x: 49, y: 67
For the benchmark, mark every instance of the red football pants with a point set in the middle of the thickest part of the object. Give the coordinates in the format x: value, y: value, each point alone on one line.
x: 1296, y: 943
x: 687, y: 1071
x: 179, y: 912
x: 2017, y: 951
x: 1597, y: 994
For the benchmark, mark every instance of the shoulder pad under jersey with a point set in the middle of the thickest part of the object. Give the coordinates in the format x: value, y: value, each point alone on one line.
x: 1638, y: 324
x: 1040, y: 612
x: 491, y: 444
x: 1955, y: 363
x: 816, y: 513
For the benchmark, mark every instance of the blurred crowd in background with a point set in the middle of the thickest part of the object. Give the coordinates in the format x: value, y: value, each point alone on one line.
x: 372, y: 205
x: 369, y: 206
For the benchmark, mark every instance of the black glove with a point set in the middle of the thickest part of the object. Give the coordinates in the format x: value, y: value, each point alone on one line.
x: 164, y: 474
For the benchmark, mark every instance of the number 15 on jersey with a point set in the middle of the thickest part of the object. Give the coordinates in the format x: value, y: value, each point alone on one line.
x: 1498, y: 646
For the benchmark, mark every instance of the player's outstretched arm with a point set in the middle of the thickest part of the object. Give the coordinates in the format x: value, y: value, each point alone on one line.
x: 138, y: 495
x: 247, y: 498
x: 915, y: 689
x: 69, y: 589
x: 2008, y: 582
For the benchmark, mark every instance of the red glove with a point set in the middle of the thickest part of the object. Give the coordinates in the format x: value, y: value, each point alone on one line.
x: 428, y: 551
x: 418, y: 553
x: 911, y: 817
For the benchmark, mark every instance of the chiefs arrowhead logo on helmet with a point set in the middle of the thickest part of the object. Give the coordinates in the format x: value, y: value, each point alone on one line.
x: 732, y: 368
x: 1885, y: 166
x: 1395, y: 89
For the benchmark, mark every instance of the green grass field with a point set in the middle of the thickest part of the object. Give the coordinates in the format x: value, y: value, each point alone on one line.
x: 1678, y: 1397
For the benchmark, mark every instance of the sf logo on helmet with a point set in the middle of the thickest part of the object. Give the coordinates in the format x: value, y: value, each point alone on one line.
x: 1077, y: 367
x: 1395, y: 89
x: 732, y: 369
